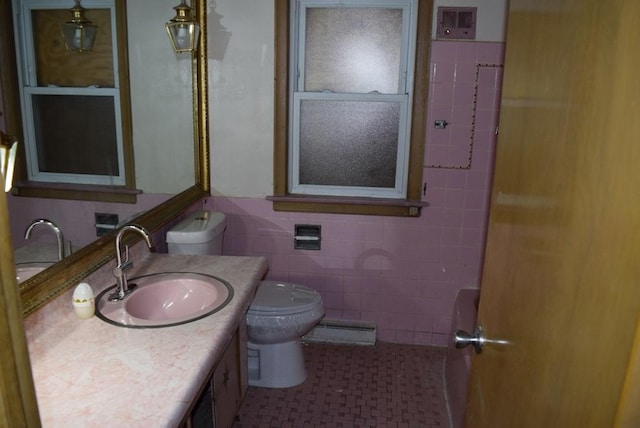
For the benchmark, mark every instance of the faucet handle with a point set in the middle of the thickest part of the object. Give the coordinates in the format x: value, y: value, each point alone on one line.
x: 119, y: 270
x: 126, y: 254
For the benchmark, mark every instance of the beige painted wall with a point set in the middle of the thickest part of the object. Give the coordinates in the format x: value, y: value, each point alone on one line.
x: 161, y: 100
x: 241, y: 97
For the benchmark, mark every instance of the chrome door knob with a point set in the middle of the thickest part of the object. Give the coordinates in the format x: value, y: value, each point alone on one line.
x: 462, y: 339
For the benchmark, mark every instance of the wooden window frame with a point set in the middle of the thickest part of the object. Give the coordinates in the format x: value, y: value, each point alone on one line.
x: 409, y: 207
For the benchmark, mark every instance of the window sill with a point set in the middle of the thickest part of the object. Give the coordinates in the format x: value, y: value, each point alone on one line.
x: 347, y: 205
x: 80, y: 192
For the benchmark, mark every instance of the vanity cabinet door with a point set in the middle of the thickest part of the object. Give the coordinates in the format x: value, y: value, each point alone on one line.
x: 220, y: 400
x: 227, y: 385
x: 202, y: 414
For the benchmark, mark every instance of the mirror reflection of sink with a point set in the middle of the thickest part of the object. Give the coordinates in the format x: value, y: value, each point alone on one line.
x: 165, y: 299
x: 25, y: 271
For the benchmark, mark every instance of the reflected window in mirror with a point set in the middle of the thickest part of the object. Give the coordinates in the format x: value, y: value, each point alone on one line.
x: 75, y: 105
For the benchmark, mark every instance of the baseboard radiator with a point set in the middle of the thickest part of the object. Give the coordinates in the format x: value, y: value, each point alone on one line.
x: 342, y: 332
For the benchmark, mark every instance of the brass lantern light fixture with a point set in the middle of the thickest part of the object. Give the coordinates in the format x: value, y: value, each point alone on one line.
x: 79, y: 33
x: 183, y: 29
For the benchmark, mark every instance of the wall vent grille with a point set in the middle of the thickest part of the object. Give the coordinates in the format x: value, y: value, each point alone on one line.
x: 342, y: 332
x: 457, y: 23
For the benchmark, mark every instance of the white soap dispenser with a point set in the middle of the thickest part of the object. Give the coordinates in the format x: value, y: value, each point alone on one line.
x: 84, y: 301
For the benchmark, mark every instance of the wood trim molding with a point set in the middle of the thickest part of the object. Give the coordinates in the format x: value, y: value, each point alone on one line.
x: 346, y: 205
x: 420, y: 99
x: 18, y: 405
x: 281, y: 97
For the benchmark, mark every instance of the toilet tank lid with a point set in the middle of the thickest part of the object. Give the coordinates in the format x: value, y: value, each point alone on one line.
x: 200, y: 226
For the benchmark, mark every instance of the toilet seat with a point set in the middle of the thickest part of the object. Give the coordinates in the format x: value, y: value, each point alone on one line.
x: 283, y: 298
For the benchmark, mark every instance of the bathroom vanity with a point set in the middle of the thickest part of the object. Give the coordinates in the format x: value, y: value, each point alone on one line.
x: 89, y: 373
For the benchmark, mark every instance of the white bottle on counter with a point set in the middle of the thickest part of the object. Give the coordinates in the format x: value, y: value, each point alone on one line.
x: 84, y: 301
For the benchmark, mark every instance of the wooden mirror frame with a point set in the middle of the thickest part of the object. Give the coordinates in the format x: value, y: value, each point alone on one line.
x: 63, y: 275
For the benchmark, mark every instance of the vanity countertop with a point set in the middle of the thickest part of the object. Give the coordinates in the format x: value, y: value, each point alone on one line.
x: 88, y: 373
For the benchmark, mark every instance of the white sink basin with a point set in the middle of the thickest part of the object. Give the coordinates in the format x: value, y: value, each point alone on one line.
x: 25, y: 271
x: 165, y: 299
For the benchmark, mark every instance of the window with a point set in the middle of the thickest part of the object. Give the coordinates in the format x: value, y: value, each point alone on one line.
x: 73, y: 103
x: 350, y: 114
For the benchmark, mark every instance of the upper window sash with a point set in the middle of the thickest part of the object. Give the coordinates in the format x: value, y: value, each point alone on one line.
x: 406, y: 59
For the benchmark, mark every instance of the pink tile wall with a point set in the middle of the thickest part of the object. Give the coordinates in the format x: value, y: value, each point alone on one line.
x: 75, y: 218
x: 401, y: 273
x: 465, y: 84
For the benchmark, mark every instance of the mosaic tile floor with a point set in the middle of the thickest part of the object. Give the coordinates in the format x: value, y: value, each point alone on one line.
x: 382, y: 386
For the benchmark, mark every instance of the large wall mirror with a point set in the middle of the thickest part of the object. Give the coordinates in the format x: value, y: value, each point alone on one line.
x: 157, y: 152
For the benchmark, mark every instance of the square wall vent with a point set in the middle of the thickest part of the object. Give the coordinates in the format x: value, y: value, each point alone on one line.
x: 457, y: 23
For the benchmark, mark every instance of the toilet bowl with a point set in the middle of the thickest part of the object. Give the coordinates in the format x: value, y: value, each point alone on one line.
x: 280, y: 314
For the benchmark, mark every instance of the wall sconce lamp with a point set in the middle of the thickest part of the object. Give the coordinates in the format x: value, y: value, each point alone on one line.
x: 183, y: 29
x: 8, y: 148
x: 79, y: 33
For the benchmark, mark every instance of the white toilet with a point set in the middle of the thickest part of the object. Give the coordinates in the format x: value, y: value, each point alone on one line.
x: 280, y: 314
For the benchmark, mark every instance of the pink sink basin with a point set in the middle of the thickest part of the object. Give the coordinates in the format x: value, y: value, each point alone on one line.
x: 25, y: 271
x: 165, y: 299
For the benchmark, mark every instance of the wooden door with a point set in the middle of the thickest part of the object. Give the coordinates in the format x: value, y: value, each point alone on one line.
x: 561, y: 281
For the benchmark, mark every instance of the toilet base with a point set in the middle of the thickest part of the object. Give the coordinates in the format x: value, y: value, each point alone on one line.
x: 278, y: 365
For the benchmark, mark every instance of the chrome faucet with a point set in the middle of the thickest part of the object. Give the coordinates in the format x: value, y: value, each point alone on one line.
x: 123, y: 263
x: 56, y: 230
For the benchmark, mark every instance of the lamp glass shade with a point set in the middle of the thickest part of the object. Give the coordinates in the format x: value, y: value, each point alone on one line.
x: 79, y: 37
x: 183, y: 35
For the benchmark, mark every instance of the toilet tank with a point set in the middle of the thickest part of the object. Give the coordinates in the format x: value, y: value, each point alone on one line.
x: 199, y: 233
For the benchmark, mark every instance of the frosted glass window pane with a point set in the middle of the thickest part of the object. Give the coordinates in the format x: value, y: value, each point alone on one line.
x: 76, y: 134
x: 348, y: 143
x: 353, y: 50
